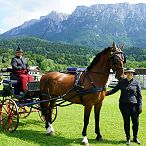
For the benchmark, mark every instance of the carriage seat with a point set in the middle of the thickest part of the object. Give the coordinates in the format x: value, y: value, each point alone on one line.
x: 12, y: 81
x: 75, y: 70
x: 13, y: 77
x: 9, y: 81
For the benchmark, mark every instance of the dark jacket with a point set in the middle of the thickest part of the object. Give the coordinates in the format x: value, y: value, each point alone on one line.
x: 130, y: 92
x: 19, y: 64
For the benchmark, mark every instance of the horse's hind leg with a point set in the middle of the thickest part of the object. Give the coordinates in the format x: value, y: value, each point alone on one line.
x: 87, y: 111
x: 49, y: 128
x: 45, y: 113
x: 97, y: 108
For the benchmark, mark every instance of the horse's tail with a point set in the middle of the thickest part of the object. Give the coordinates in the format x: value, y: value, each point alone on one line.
x: 44, y: 95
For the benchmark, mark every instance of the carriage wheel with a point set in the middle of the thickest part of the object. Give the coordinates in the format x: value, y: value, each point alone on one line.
x: 9, y: 117
x: 54, y: 114
x: 24, y: 111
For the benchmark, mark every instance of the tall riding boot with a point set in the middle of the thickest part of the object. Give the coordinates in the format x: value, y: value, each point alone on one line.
x: 135, y: 139
x: 128, y: 140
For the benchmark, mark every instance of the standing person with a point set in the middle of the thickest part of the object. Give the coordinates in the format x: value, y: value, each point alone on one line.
x: 20, y: 69
x: 130, y: 103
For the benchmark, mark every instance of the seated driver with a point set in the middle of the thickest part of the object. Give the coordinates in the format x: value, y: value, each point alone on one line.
x: 20, y: 69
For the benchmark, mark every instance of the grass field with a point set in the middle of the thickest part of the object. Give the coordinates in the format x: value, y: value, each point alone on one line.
x: 69, y: 124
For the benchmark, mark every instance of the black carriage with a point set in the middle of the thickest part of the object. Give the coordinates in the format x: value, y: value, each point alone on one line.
x: 14, y: 105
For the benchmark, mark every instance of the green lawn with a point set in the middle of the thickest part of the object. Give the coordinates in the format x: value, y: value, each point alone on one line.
x: 69, y: 124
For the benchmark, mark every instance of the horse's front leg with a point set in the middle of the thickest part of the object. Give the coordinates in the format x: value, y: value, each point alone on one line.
x: 87, y: 111
x: 97, y: 108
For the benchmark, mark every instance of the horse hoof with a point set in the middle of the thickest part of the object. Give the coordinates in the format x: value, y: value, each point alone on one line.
x: 50, y: 134
x: 99, y: 138
x: 85, y: 144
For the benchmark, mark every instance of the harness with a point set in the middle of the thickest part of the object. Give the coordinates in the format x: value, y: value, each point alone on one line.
x: 80, y: 89
x: 118, y: 55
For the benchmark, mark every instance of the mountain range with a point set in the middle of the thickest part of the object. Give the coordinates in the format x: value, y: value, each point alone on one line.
x: 95, y: 26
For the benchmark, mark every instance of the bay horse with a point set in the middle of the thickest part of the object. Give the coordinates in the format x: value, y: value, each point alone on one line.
x: 87, y: 89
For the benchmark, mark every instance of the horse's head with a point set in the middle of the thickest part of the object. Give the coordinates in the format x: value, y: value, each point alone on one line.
x: 117, y: 60
x: 109, y: 58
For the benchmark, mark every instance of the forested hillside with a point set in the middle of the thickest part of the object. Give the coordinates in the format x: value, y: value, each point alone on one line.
x: 57, y: 56
x: 46, y: 55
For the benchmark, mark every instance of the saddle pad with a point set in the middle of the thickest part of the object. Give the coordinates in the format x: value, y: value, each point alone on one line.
x: 75, y: 69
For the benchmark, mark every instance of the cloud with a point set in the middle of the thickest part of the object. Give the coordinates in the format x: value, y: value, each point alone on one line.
x: 1, y: 30
x: 16, y: 12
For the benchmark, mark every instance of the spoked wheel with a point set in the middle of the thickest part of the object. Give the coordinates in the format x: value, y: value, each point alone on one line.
x: 24, y: 111
x: 9, y: 116
x: 54, y: 114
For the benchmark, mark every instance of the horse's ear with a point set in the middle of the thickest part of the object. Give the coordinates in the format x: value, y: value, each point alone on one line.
x: 122, y: 46
x: 114, y: 46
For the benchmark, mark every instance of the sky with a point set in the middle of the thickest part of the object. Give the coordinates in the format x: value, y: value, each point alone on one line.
x: 15, y: 12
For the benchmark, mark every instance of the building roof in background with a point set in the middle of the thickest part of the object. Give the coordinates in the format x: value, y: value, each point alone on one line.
x: 141, y: 71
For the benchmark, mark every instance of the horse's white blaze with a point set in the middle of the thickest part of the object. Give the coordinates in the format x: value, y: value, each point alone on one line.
x: 85, y: 140
x: 50, y: 129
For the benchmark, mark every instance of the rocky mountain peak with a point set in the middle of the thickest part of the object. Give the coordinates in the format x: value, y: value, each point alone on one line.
x: 96, y: 26
x: 55, y: 16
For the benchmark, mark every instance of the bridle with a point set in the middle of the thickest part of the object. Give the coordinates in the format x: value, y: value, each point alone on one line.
x: 114, y: 57
x: 117, y: 56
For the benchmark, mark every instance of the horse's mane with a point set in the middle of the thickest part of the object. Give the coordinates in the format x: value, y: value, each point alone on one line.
x: 97, y: 57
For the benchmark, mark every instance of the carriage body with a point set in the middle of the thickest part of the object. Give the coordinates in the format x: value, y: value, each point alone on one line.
x: 14, y: 104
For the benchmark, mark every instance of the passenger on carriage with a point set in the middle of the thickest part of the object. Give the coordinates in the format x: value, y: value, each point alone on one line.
x: 20, y: 69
